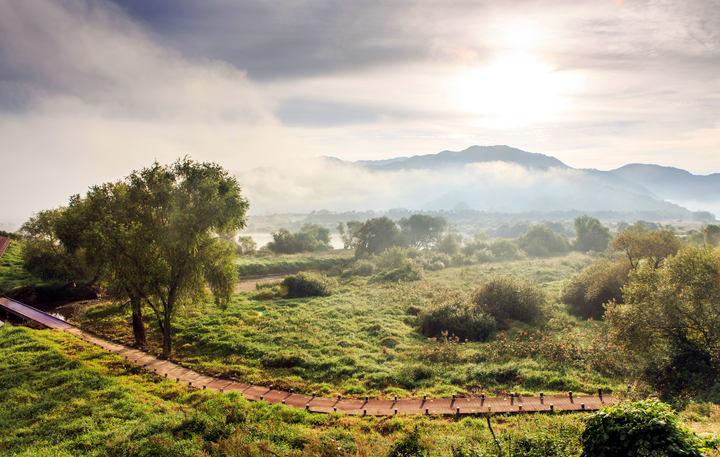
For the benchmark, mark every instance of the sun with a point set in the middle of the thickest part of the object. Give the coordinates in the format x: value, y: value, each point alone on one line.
x: 516, y: 88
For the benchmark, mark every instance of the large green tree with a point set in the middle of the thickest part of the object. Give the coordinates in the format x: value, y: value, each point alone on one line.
x: 670, y: 322
x: 156, y: 232
x: 422, y: 231
x: 542, y: 241
x: 590, y: 235
x: 377, y: 235
x: 46, y: 257
x: 653, y: 246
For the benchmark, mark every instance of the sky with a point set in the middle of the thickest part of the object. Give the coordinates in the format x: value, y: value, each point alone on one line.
x: 91, y: 90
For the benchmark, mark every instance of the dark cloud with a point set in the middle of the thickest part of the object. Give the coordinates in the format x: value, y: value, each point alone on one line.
x: 291, y: 39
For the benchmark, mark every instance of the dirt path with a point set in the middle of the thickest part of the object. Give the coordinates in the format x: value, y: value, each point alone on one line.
x: 248, y: 284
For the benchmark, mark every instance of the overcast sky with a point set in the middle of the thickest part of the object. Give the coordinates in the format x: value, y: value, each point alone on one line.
x: 92, y: 89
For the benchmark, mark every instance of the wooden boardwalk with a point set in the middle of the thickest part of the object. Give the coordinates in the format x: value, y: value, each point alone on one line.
x: 4, y: 243
x: 370, y: 407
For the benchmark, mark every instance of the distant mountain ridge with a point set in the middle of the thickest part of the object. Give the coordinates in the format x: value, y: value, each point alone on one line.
x: 474, y: 154
x: 664, y: 183
x: 492, y: 179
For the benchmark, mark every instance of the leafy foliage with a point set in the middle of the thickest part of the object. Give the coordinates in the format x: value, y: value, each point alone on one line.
x: 454, y: 313
x: 409, y: 446
x: 670, y: 322
x: 154, y: 234
x: 377, y: 235
x: 542, y: 241
x: 600, y: 283
x: 636, y: 428
x: 638, y: 243
x: 310, y: 238
x: 422, y: 231
x: 506, y: 299
x: 590, y: 235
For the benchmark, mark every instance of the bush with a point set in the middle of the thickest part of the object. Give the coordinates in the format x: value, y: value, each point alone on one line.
x: 600, y: 283
x: 409, y: 446
x: 363, y: 268
x: 407, y: 273
x: 505, y: 299
x: 306, y: 284
x: 453, y: 313
x: 636, y: 428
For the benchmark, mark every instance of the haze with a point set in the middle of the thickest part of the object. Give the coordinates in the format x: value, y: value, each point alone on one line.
x: 92, y: 89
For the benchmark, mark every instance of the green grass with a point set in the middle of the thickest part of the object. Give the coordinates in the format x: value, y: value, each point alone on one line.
x: 63, y: 397
x: 361, y: 341
x: 292, y: 263
x: 12, y: 274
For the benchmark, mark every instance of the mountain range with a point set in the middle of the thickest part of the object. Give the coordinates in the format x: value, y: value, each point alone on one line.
x: 484, y: 178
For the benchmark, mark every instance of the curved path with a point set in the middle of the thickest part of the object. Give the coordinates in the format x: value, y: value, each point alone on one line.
x: 164, y: 368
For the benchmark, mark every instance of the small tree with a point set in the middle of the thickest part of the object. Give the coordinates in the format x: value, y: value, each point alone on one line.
x: 377, y: 235
x: 590, y: 235
x: 422, y: 231
x: 351, y: 236
x: 639, y: 244
x: 541, y: 241
x: 246, y: 245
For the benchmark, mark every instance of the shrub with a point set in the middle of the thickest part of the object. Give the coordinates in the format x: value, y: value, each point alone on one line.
x: 264, y: 294
x: 505, y: 299
x: 409, y: 446
x: 453, y: 313
x: 600, y: 283
x: 407, y: 273
x: 306, y: 284
x: 363, y: 268
x: 636, y: 428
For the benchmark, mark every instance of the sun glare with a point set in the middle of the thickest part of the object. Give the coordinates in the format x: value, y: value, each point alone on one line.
x: 516, y: 88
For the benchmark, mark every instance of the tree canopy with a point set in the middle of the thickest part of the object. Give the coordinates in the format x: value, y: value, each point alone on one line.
x: 654, y: 246
x: 590, y: 235
x: 542, y: 241
x: 156, y: 232
x: 310, y: 238
x: 377, y: 235
x: 671, y: 321
x: 422, y: 231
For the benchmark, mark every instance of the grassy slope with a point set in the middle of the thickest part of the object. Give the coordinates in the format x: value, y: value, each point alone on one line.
x: 12, y: 275
x: 358, y: 341
x: 63, y: 397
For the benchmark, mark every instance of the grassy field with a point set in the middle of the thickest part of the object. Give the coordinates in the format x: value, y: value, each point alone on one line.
x: 273, y: 264
x: 361, y: 340
x: 63, y: 397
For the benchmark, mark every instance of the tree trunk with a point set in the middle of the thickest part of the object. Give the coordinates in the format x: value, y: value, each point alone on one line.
x: 137, y: 322
x: 167, y: 338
